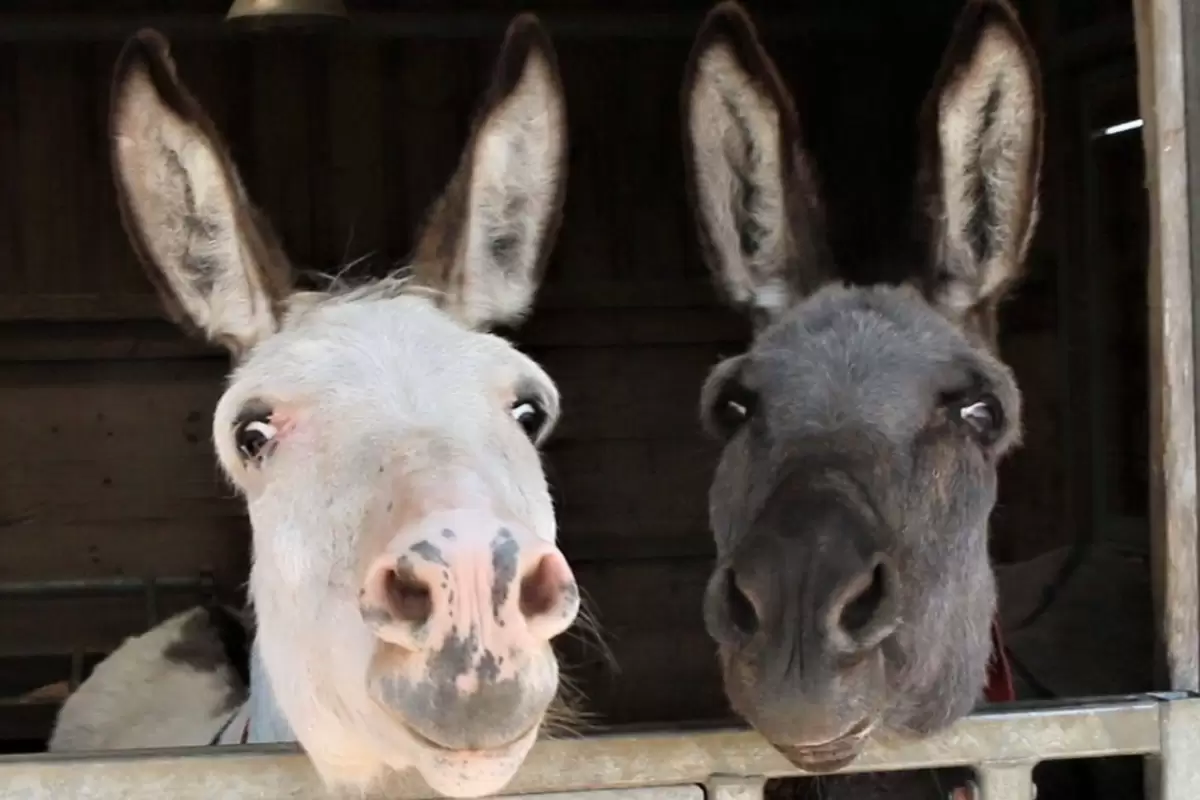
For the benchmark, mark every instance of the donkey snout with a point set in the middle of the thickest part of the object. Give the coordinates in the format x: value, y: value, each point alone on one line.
x: 470, y: 603
x: 466, y: 570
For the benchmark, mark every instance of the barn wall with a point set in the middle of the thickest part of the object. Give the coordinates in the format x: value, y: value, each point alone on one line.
x: 105, y: 410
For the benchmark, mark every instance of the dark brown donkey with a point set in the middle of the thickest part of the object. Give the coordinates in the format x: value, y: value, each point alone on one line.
x: 852, y: 593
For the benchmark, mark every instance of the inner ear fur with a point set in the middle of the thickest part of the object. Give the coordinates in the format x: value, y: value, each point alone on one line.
x: 751, y: 187
x: 487, y: 239
x: 982, y: 127
x: 214, y: 261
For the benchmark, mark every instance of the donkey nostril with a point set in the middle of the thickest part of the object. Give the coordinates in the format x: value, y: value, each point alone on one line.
x: 408, y: 596
x: 868, y: 612
x: 543, y: 588
x: 742, y: 612
x: 857, y: 613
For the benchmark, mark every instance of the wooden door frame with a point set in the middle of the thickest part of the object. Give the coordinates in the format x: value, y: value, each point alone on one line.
x: 1164, y: 29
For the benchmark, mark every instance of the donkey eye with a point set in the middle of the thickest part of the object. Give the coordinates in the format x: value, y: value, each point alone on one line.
x: 983, y: 414
x: 531, y: 415
x: 732, y: 408
x: 253, y: 434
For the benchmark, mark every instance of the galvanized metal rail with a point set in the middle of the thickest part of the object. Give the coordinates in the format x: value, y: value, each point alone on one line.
x: 201, y: 584
x: 1003, y: 745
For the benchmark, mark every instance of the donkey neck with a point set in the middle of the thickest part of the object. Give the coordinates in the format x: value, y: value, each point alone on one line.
x: 258, y: 720
x: 267, y: 723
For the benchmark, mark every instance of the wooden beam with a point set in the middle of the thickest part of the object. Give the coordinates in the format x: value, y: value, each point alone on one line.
x: 1191, y: 54
x: 1173, y: 508
x: 99, y: 26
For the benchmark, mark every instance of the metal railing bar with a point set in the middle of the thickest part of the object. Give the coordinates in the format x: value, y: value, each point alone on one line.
x: 1006, y: 782
x: 114, y: 585
x: 1125, y: 726
x: 1174, y: 773
x: 687, y: 792
x: 732, y: 787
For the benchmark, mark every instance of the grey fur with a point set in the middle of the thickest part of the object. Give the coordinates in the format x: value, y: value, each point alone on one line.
x: 852, y: 592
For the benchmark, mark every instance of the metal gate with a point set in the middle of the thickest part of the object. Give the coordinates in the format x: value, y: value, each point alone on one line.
x: 1003, y: 744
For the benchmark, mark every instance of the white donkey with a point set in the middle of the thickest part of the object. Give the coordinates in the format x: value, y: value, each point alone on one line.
x: 406, y: 580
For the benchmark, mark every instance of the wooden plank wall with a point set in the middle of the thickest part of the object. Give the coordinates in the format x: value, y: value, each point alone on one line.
x: 105, y: 410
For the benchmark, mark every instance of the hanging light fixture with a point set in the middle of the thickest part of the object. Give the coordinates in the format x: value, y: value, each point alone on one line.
x: 275, y: 13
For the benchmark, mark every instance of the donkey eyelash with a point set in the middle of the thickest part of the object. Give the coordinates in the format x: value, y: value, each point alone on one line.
x: 265, y: 428
x: 532, y: 416
x: 254, y: 436
x: 978, y: 410
x: 733, y: 406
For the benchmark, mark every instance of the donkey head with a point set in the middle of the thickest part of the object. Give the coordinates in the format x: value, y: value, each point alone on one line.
x: 406, y: 578
x: 863, y: 427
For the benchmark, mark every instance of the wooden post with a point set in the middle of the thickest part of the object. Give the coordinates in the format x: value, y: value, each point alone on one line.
x: 1160, y: 47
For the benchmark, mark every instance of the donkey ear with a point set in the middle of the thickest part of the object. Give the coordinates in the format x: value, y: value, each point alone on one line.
x: 982, y: 128
x: 752, y: 192
x: 216, y: 267
x: 486, y: 241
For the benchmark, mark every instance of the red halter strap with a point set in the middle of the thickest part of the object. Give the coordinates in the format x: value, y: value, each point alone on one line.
x: 999, y: 687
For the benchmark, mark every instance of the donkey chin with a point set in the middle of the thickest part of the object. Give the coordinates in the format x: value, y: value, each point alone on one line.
x: 472, y: 728
x: 831, y: 755
x: 472, y: 773
x: 818, y: 730
x: 819, y: 748
x: 820, y: 753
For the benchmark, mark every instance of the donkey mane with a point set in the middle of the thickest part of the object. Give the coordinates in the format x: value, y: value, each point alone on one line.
x: 338, y: 288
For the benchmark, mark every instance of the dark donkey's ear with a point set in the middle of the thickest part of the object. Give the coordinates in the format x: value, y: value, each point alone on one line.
x: 216, y: 265
x: 486, y: 240
x: 749, y: 183
x: 982, y: 133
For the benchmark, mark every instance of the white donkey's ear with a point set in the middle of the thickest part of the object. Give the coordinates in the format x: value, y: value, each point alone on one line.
x: 751, y: 189
x: 487, y: 239
x: 982, y: 132
x: 216, y: 265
